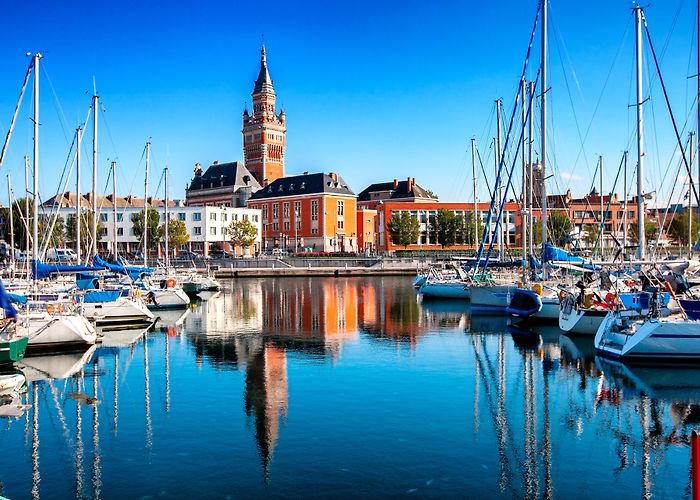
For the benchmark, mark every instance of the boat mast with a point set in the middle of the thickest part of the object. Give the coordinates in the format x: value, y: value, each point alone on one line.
x: 167, y: 248
x: 531, y: 142
x: 27, y: 239
x: 697, y: 105
x: 35, y: 193
x: 523, y: 200
x: 690, y: 195
x: 95, y: 102
x: 641, y: 249
x: 78, y: 195
x: 145, y: 208
x: 602, y: 211
x: 498, y: 164
x: 114, y: 206
x: 476, y: 207
x: 543, y: 130
x: 12, y: 225
x: 624, y: 214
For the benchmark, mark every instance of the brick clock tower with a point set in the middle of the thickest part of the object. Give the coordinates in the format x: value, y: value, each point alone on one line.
x: 264, y: 131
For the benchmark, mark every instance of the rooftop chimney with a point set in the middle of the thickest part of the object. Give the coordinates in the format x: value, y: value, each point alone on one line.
x: 396, y: 183
x: 333, y: 176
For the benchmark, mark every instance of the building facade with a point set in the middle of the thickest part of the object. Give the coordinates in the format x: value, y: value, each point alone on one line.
x: 308, y: 213
x: 207, y: 226
x: 223, y: 184
x: 264, y: 130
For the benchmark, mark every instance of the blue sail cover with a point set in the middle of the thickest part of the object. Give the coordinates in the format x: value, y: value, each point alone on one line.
x: 553, y: 253
x: 102, y: 296
x: 41, y: 270
x: 6, y: 303
x: 121, y: 268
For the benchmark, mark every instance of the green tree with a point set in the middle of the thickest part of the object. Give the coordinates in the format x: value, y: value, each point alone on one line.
x: 177, y: 233
x: 590, y: 234
x: 242, y: 233
x: 650, y: 232
x: 558, y: 229
x: 446, y: 225
x: 85, y: 232
x: 678, y: 229
x: 403, y: 229
x: 153, y: 231
x: 466, y: 232
x: 22, y: 232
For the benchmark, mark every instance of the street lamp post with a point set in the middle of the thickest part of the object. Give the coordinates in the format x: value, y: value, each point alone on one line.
x: 296, y: 229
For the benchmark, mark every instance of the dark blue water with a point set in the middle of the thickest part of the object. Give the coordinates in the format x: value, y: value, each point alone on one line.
x: 343, y: 388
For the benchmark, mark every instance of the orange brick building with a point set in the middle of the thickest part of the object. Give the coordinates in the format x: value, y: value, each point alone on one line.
x: 308, y: 213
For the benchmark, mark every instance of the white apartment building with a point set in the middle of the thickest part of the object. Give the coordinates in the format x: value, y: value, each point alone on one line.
x: 207, y: 226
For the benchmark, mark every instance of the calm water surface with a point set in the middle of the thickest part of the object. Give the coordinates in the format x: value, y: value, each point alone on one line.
x: 345, y: 387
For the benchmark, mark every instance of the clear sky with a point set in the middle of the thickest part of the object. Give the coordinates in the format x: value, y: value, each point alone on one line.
x: 372, y: 90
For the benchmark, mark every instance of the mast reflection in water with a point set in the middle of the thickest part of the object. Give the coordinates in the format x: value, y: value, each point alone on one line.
x: 337, y: 387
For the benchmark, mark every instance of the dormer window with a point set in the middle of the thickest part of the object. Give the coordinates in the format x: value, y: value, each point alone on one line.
x: 291, y: 187
x: 303, y: 185
x: 281, y: 188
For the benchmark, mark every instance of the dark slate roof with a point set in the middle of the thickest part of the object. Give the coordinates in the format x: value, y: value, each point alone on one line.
x: 304, y: 184
x: 232, y: 174
x: 402, y: 191
x: 264, y: 82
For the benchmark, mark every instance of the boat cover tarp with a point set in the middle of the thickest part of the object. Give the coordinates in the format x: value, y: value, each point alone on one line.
x: 121, y: 268
x: 17, y: 299
x: 6, y: 303
x: 86, y: 283
x: 553, y: 253
x: 41, y: 270
x: 101, y: 296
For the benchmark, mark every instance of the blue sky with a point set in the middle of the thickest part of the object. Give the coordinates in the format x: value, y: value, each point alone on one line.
x: 372, y: 90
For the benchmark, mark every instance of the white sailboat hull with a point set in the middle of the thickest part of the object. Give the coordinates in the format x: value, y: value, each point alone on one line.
x: 652, y: 339
x: 581, y: 321
x: 167, y: 298
x: 10, y: 384
x: 47, y: 332
x: 490, y: 298
x: 445, y: 290
x: 122, y: 311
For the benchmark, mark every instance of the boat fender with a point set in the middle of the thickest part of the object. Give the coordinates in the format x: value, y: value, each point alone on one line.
x: 669, y: 289
x: 537, y: 288
x: 588, y: 300
x: 610, y: 300
x: 51, y: 309
x: 170, y: 283
x: 562, y: 295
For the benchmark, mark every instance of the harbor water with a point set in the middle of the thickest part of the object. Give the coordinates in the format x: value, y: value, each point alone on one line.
x: 345, y: 387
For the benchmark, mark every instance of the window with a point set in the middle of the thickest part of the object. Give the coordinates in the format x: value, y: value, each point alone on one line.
x: 225, y: 217
x: 120, y: 231
x: 120, y: 217
x: 275, y: 227
x: 255, y: 218
x: 197, y: 216
x: 181, y: 216
x: 314, y: 230
x: 264, y: 228
x: 264, y: 212
x: 286, y: 225
x: 341, y: 224
x: 197, y: 230
x: 104, y: 231
x: 341, y: 208
x: 285, y: 210
x: 212, y: 216
x: 212, y: 230
x: 275, y: 210
x: 298, y: 224
x: 297, y: 209
x: 314, y: 209
x: 103, y: 217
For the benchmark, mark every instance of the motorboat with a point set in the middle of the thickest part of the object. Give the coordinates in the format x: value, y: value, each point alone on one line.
x: 55, y: 328
x: 109, y: 309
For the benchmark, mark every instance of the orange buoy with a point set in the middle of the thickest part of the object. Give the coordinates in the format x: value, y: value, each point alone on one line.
x: 170, y: 283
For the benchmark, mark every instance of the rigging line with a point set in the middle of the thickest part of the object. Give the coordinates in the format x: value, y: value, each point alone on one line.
x: 601, y: 226
x: 650, y: 172
x: 668, y: 104
x: 691, y: 45
x: 668, y: 205
x: 502, y: 202
x: 483, y: 171
x: 59, y: 109
x: 557, y: 44
x: 512, y: 118
x: 109, y: 131
x: 602, y: 91
x: 14, y: 116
